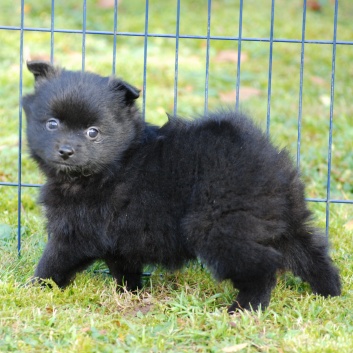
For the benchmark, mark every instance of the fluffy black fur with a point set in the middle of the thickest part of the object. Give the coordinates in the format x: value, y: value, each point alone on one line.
x: 132, y: 194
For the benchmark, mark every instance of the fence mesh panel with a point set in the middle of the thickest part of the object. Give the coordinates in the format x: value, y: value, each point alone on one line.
x: 147, y: 36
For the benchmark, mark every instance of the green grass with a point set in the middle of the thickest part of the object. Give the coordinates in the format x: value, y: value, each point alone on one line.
x: 185, y: 311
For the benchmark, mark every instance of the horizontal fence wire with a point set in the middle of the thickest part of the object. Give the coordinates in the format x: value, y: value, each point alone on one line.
x: 171, y: 35
x: 177, y: 36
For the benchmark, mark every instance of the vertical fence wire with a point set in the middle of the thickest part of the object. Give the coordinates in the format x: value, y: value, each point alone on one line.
x: 176, y: 65
x: 52, y: 23
x: 19, y: 178
x: 300, y: 108
x: 329, y: 154
x: 209, y: 6
x: 84, y: 19
x: 240, y: 35
x: 145, y: 44
x: 115, y: 29
x: 269, y: 87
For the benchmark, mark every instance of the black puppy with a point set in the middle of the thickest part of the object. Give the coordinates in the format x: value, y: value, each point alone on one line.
x: 132, y: 194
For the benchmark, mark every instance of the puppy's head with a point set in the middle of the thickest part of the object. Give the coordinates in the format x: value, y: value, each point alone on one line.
x: 79, y: 122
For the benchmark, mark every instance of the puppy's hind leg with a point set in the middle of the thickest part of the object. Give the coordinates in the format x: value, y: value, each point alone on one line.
x: 252, y: 269
x: 253, y: 294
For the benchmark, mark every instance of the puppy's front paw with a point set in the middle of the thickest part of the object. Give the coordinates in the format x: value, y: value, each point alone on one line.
x: 35, y: 281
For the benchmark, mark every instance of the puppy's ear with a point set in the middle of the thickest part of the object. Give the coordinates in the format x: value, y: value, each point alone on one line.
x: 170, y: 117
x: 174, y: 120
x: 130, y: 93
x: 41, y: 69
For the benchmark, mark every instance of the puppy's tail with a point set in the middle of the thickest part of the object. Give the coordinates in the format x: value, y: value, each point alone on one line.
x: 306, y: 256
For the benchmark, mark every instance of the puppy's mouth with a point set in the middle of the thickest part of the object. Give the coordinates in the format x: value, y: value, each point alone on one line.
x: 71, y: 169
x: 63, y: 163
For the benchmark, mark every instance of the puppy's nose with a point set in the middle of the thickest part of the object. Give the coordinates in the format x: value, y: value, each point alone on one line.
x: 66, y: 151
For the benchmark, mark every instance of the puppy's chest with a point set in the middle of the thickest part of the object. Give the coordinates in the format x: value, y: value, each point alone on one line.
x: 77, y: 214
x: 78, y: 219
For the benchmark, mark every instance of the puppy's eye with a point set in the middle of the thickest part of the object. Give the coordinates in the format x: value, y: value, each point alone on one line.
x: 52, y: 124
x: 92, y: 133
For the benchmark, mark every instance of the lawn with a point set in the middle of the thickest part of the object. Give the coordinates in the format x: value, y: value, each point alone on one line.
x: 183, y: 311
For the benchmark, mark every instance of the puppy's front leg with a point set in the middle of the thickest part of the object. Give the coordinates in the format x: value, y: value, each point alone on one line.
x: 60, y: 262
